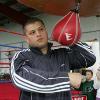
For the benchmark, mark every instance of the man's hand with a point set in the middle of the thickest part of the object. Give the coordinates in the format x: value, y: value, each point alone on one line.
x: 75, y: 79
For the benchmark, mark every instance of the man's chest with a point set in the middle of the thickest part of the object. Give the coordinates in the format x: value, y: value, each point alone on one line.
x: 49, y: 62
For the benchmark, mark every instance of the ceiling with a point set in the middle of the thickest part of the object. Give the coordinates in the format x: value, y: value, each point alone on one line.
x: 61, y: 7
x: 12, y: 10
x: 20, y: 10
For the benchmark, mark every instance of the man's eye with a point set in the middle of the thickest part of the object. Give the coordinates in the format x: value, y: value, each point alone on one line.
x: 33, y: 31
x: 41, y: 29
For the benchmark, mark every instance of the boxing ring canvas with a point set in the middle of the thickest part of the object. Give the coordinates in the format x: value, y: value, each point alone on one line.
x: 8, y: 91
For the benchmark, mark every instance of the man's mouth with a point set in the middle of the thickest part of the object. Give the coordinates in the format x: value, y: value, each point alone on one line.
x: 40, y: 40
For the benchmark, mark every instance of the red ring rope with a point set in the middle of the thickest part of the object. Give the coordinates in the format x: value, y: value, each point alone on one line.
x: 4, y: 63
x: 8, y: 50
x: 5, y: 30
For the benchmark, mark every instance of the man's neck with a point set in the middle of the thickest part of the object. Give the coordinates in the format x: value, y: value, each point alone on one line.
x: 44, y: 50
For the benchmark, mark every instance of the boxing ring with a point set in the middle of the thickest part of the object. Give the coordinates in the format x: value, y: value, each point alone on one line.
x: 7, y: 90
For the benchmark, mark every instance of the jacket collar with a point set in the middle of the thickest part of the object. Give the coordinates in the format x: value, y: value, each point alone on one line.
x: 37, y: 50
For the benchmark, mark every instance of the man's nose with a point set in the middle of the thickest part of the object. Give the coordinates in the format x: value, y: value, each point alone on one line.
x: 38, y: 33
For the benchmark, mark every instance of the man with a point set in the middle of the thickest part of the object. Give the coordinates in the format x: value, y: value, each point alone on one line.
x: 87, y: 86
x: 42, y: 73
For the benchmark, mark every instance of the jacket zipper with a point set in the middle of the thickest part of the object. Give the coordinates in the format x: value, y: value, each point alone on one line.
x: 31, y: 95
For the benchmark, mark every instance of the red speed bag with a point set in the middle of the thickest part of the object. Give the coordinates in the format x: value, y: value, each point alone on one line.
x: 67, y: 31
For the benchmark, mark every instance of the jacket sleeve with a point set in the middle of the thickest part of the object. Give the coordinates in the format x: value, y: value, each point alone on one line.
x: 80, y: 56
x: 30, y: 79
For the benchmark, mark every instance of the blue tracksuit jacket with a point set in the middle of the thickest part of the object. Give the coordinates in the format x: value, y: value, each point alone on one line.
x: 45, y: 76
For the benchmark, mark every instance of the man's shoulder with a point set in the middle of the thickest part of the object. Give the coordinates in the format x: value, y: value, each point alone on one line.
x: 24, y: 51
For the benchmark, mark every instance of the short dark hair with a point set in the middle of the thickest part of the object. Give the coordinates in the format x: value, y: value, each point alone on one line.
x: 90, y: 71
x: 32, y: 20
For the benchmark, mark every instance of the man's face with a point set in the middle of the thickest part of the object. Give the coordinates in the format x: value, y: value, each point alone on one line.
x: 36, y: 35
x: 88, y: 75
